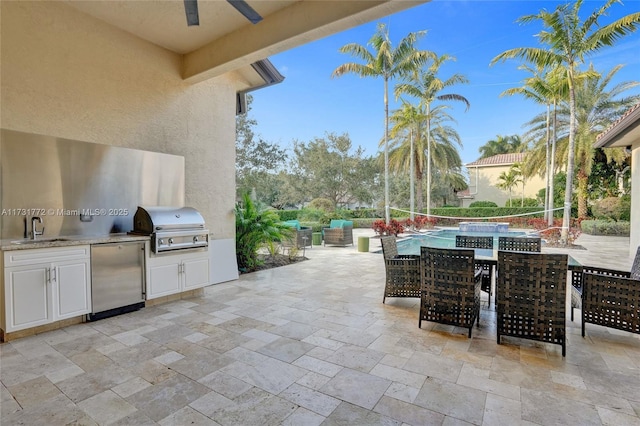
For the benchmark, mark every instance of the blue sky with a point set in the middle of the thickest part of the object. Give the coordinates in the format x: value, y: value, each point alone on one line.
x: 310, y: 103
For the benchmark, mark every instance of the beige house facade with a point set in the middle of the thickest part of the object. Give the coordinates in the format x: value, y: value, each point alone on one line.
x: 625, y: 132
x: 133, y: 74
x: 484, y: 179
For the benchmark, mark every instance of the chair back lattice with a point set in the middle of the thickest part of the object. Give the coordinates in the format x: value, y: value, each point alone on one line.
x: 611, y: 301
x: 389, y: 247
x: 470, y: 241
x: 520, y: 244
x: 476, y: 242
x: 450, y: 287
x: 531, y: 296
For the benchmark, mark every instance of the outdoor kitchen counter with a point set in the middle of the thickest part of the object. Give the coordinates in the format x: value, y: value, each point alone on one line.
x: 62, y: 241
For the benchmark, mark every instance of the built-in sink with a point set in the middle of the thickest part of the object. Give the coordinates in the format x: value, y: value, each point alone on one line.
x: 39, y: 240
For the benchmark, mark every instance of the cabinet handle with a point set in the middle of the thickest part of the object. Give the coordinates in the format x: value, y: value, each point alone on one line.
x: 55, y: 274
x: 47, y: 275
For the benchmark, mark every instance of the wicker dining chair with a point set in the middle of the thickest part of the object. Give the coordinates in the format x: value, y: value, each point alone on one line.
x: 450, y: 287
x: 402, y: 270
x: 531, y: 244
x: 612, y: 298
x: 577, y: 275
x: 479, y: 242
x: 531, y: 296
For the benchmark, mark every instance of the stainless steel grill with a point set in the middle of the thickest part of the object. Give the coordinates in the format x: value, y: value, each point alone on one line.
x: 171, y: 228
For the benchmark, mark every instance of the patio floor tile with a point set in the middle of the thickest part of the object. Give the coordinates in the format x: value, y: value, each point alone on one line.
x: 313, y: 344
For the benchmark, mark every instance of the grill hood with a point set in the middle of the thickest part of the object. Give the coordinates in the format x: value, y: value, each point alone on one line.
x: 148, y: 220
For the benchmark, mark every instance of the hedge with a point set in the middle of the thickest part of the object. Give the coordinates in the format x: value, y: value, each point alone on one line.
x: 288, y: 214
x: 441, y: 211
x: 605, y: 227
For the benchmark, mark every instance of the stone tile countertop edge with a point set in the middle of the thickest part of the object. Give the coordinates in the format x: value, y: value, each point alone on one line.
x: 74, y: 240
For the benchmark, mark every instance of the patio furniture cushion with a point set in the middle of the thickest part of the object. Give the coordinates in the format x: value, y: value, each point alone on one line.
x: 450, y: 287
x: 531, y: 296
x: 293, y: 223
x: 340, y: 223
x: 402, y: 271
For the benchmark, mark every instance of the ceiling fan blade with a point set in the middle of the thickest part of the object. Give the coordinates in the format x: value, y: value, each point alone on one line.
x: 191, y: 10
x: 243, y: 7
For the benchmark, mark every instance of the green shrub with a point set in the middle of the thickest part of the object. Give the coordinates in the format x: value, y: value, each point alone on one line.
x: 483, y: 204
x: 255, y: 227
x: 527, y: 202
x: 323, y: 204
x: 625, y: 206
x: 614, y: 208
x: 604, y: 227
x: 315, y: 226
x: 365, y: 214
x: 311, y: 215
x: 285, y: 215
x: 363, y: 223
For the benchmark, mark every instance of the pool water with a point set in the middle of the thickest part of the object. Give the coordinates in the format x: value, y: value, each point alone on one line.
x: 446, y: 238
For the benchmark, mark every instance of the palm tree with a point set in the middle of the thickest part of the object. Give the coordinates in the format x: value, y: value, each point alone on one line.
x: 443, y: 139
x: 569, y: 39
x: 517, y: 170
x: 547, y: 87
x: 508, y: 180
x: 407, y: 126
x: 384, y: 62
x: 596, y: 108
x: 502, y: 145
x: 426, y: 86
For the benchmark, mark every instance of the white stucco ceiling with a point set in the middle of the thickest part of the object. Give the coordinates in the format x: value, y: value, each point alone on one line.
x: 225, y: 40
x: 163, y: 22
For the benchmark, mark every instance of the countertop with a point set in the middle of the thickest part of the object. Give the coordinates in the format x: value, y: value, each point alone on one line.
x: 64, y: 240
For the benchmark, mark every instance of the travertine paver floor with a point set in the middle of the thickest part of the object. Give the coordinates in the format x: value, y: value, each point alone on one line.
x: 312, y: 344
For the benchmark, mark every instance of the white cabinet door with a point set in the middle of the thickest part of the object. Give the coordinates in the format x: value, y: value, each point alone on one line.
x: 73, y: 281
x: 175, y: 273
x: 45, y: 285
x: 195, y: 273
x: 27, y: 297
x: 164, y: 279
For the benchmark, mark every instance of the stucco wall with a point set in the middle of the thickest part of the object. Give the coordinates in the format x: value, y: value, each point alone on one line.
x: 634, y: 240
x: 68, y: 75
x: 485, y: 184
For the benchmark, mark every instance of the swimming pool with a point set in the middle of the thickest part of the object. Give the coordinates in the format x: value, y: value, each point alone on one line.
x: 446, y: 238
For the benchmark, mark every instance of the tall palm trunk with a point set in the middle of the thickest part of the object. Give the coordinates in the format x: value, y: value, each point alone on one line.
x: 428, y: 160
x: 547, y: 201
x: 387, y: 214
x: 419, y: 189
x: 583, y: 193
x: 553, y: 165
x: 566, y: 217
x: 418, y: 173
x: 412, y: 175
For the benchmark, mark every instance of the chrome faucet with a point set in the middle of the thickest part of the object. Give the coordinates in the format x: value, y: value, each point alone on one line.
x: 34, y: 231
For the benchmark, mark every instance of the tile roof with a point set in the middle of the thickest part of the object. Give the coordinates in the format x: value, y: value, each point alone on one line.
x: 614, y: 126
x: 499, y: 159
